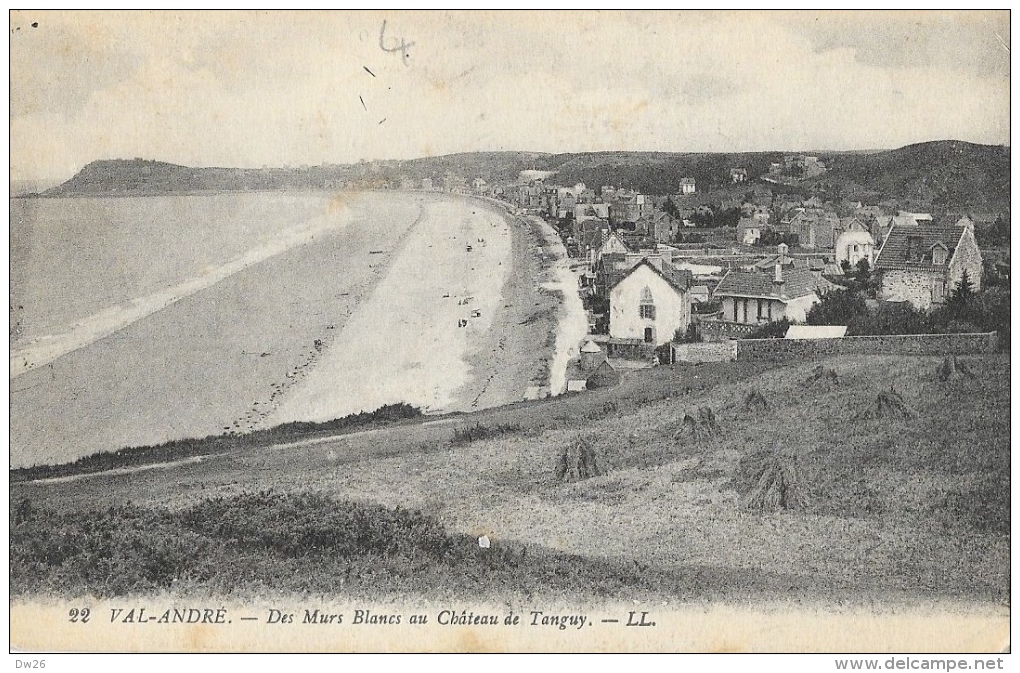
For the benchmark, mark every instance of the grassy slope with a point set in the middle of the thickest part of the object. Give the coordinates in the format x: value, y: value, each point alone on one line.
x: 911, y: 508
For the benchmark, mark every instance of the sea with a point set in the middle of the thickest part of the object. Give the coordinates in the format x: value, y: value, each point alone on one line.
x: 138, y: 320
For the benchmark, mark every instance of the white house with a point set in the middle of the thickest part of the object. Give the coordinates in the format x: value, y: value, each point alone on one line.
x: 687, y: 186
x: 649, y: 304
x: 612, y: 243
x: 756, y: 297
x: 855, y: 244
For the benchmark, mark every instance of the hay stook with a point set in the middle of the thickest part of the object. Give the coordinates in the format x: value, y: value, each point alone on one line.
x: 701, y: 426
x: 887, y: 404
x: 581, y: 460
x: 776, y: 485
x: 822, y: 376
x: 755, y: 401
x: 951, y: 368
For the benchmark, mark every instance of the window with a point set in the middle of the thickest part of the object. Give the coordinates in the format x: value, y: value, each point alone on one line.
x: 938, y: 255
x: 647, y: 307
x: 938, y: 290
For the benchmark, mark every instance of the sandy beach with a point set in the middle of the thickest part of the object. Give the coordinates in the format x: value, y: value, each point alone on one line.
x: 409, y: 340
x: 215, y: 360
x: 377, y: 302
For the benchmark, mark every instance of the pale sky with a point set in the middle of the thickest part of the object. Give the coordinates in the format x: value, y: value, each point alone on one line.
x: 272, y: 88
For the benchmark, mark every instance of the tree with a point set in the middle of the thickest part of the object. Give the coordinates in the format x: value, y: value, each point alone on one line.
x: 863, y: 280
x: 771, y: 238
x: 891, y: 318
x: 840, y: 307
x: 772, y: 330
x: 964, y: 292
x: 670, y: 208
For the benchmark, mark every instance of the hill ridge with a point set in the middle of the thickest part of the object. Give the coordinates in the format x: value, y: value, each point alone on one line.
x: 932, y: 174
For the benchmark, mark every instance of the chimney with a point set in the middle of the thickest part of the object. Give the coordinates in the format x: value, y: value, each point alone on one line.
x: 778, y: 280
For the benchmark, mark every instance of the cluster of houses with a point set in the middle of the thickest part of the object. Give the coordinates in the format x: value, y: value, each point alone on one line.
x: 645, y: 293
x: 643, y: 290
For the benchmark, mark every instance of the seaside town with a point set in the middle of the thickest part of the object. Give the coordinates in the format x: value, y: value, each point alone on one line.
x: 602, y: 330
x: 680, y: 278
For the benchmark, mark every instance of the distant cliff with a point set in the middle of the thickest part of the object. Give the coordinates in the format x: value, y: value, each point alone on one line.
x: 138, y: 176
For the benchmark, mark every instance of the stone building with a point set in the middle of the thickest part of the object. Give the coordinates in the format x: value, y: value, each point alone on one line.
x: 924, y: 263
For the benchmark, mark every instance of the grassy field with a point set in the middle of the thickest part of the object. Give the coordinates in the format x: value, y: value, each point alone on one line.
x: 893, y: 504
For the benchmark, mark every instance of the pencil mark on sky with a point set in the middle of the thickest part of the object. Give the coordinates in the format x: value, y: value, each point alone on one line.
x: 403, y: 47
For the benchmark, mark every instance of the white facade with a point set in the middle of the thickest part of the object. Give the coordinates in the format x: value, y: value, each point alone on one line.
x: 760, y: 310
x: 612, y: 244
x: 854, y: 245
x: 645, y: 306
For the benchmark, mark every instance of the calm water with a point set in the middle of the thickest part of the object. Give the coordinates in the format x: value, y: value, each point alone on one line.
x: 71, y: 258
x: 215, y: 359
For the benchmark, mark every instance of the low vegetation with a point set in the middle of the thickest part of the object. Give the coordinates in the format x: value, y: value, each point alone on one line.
x: 477, y: 432
x: 187, y: 448
x: 253, y: 543
x: 829, y: 492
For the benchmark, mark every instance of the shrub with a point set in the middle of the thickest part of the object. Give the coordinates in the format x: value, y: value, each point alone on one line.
x: 772, y: 330
x: 477, y: 432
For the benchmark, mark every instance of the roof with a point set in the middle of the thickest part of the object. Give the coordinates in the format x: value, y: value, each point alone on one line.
x: 590, y: 347
x: 679, y: 280
x: 605, y: 371
x: 833, y: 269
x: 816, y: 331
x: 796, y: 283
x: 619, y: 239
x: 910, y: 246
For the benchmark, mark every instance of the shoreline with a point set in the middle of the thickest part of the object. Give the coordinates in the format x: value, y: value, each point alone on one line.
x: 572, y: 325
x: 207, y: 364
x: 517, y: 348
x: 411, y: 338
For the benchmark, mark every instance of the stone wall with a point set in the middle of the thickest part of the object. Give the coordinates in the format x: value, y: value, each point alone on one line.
x: 890, y: 344
x: 722, y: 351
x: 912, y: 285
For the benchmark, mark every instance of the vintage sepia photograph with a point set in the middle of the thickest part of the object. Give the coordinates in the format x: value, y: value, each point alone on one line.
x: 511, y: 331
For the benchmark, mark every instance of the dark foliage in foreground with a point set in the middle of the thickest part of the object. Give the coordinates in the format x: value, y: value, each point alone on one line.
x: 213, y: 444
x: 255, y: 542
x: 478, y: 432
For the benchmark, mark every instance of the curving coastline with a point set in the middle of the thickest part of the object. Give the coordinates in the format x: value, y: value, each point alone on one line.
x: 320, y: 329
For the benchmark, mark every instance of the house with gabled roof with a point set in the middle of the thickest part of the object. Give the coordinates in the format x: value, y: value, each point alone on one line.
x: 814, y: 227
x: 756, y: 297
x: 611, y: 243
x: 649, y: 304
x: 924, y: 263
x: 855, y: 243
